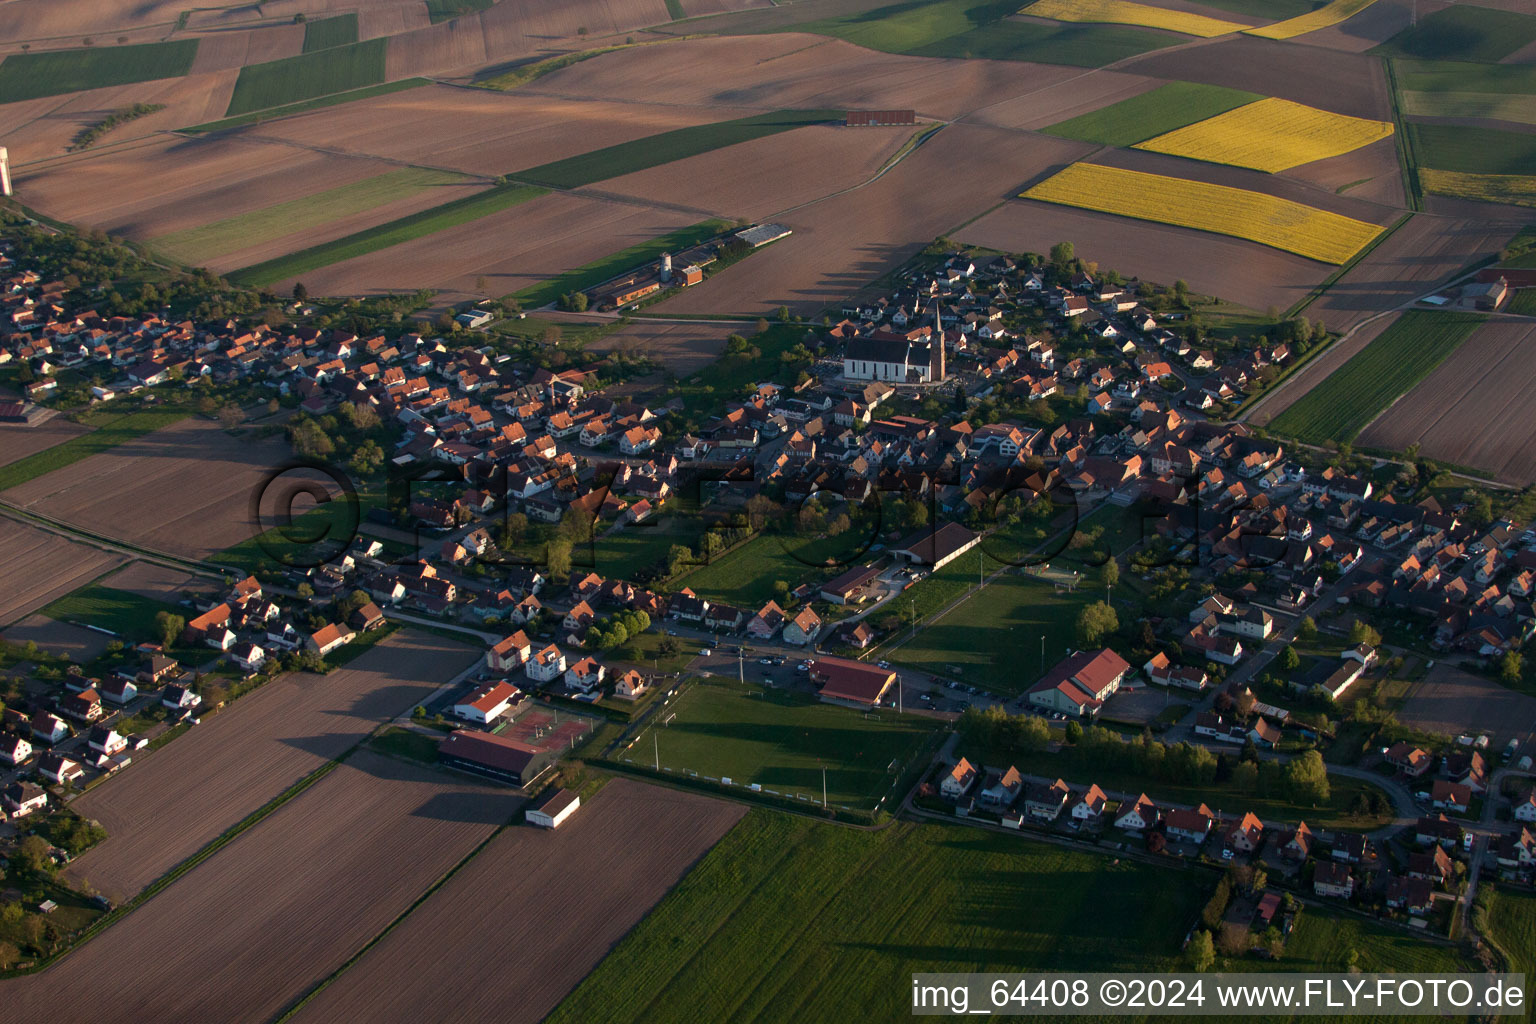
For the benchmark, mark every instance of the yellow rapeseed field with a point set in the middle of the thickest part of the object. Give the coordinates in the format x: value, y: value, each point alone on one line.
x: 1519, y: 189
x: 1269, y: 135
x: 1125, y: 12
x: 1323, y: 17
x: 1315, y: 234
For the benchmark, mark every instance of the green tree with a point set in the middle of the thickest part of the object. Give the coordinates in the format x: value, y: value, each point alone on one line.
x: 367, y: 458
x: 1362, y: 633
x: 1307, y: 631
x: 1095, y: 622
x: 1074, y: 733
x: 300, y: 293
x: 169, y: 626
x: 559, y: 559
x: 1063, y: 254
x: 1200, y: 954
x: 1289, y: 659
x: 34, y: 855
x: 1306, y: 779
x: 1110, y: 574
x: 1511, y: 666
x: 305, y: 591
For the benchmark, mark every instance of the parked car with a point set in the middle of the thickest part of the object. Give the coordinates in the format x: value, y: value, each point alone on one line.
x: 705, y: 652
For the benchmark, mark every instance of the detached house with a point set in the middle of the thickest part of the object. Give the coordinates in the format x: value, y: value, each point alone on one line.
x: 959, y: 780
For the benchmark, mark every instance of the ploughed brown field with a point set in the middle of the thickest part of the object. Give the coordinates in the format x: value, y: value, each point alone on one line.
x: 1370, y: 173
x: 1053, y: 104
x: 173, y: 802
x: 1246, y: 273
x: 40, y: 566
x: 845, y: 242
x: 17, y: 442
x: 532, y: 913
x: 480, y: 131
x: 166, y: 184
x: 511, y: 249
x: 760, y: 179
x: 681, y: 348
x: 1346, y: 83
x: 1474, y: 409
x: 184, y: 489
x: 159, y: 583
x: 74, y: 642
x: 798, y: 70
x: 1452, y: 701
x: 1421, y: 254
x: 249, y: 931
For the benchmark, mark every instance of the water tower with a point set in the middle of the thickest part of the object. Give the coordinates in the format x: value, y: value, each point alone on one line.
x: 666, y: 266
x: 5, y: 172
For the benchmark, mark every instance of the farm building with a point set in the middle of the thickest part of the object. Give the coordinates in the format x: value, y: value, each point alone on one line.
x: 880, y: 118
x: 762, y: 234
x: 847, y: 586
x: 937, y: 547
x: 494, y: 757
x: 851, y: 683
x: 557, y: 805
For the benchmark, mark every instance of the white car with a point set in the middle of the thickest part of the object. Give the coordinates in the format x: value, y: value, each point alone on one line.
x: 884, y: 664
x: 705, y: 652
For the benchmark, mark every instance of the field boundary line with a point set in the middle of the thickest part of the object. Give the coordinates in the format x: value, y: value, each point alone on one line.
x: 1354, y: 261
x: 1407, y: 159
x: 426, y: 894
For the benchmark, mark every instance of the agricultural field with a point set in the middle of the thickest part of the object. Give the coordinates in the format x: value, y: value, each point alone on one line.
x: 25, y: 76
x: 1514, y: 189
x: 40, y: 566
x: 1452, y: 701
x: 73, y: 442
x: 993, y: 639
x: 309, y: 75
x: 629, y: 157
x: 1324, y: 939
x: 1269, y: 220
x: 1151, y: 114
x: 1339, y: 406
x: 184, y: 489
x: 844, y: 242
x: 959, y: 28
x: 1127, y: 12
x: 202, y: 245
x: 1251, y: 275
x: 280, y: 907
x: 251, y: 752
x: 325, y: 33
x: 1270, y: 135
x: 1463, y: 32
x: 1470, y: 411
x: 422, y: 224
x: 810, y: 940
x: 1426, y: 78
x: 1451, y: 147
x: 17, y: 443
x: 1519, y: 108
x: 318, y: 103
x: 104, y: 604
x: 599, y: 874
x: 1330, y: 14
x: 782, y: 740
x: 1512, y: 924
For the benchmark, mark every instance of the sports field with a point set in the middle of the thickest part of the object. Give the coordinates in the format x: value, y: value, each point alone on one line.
x: 791, y: 920
x: 308, y: 76
x: 1270, y: 135
x: 1152, y: 113
x: 26, y: 76
x: 993, y: 639
x: 416, y: 225
x: 781, y: 740
x: 1127, y: 12
x: 962, y: 28
x: 1324, y: 17
x: 1268, y: 220
x: 198, y: 245
x: 1463, y: 32
x: 653, y: 150
x: 1346, y: 400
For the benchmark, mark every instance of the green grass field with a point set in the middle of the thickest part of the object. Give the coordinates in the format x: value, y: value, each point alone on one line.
x: 328, y: 32
x: 447, y: 10
x: 112, y: 429
x: 598, y: 271
x: 131, y: 616
x: 1463, y: 32
x: 1452, y: 147
x: 402, y: 229
x: 1152, y: 113
x: 639, y: 546
x: 1323, y: 941
x: 309, y: 75
x: 1460, y: 76
x: 1512, y: 924
x: 26, y: 76
x: 1346, y: 400
x: 198, y: 245
x: 314, y: 104
x: 993, y: 639
x: 1277, y: 10
x: 781, y: 740
x: 675, y: 10
x: 653, y: 150
x: 1517, y: 107
x: 1523, y: 302
x: 321, y: 532
x: 788, y: 920
x: 745, y: 577
x: 963, y: 28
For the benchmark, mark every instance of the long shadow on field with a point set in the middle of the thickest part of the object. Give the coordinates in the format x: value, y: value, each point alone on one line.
x: 386, y: 701
x: 474, y: 808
